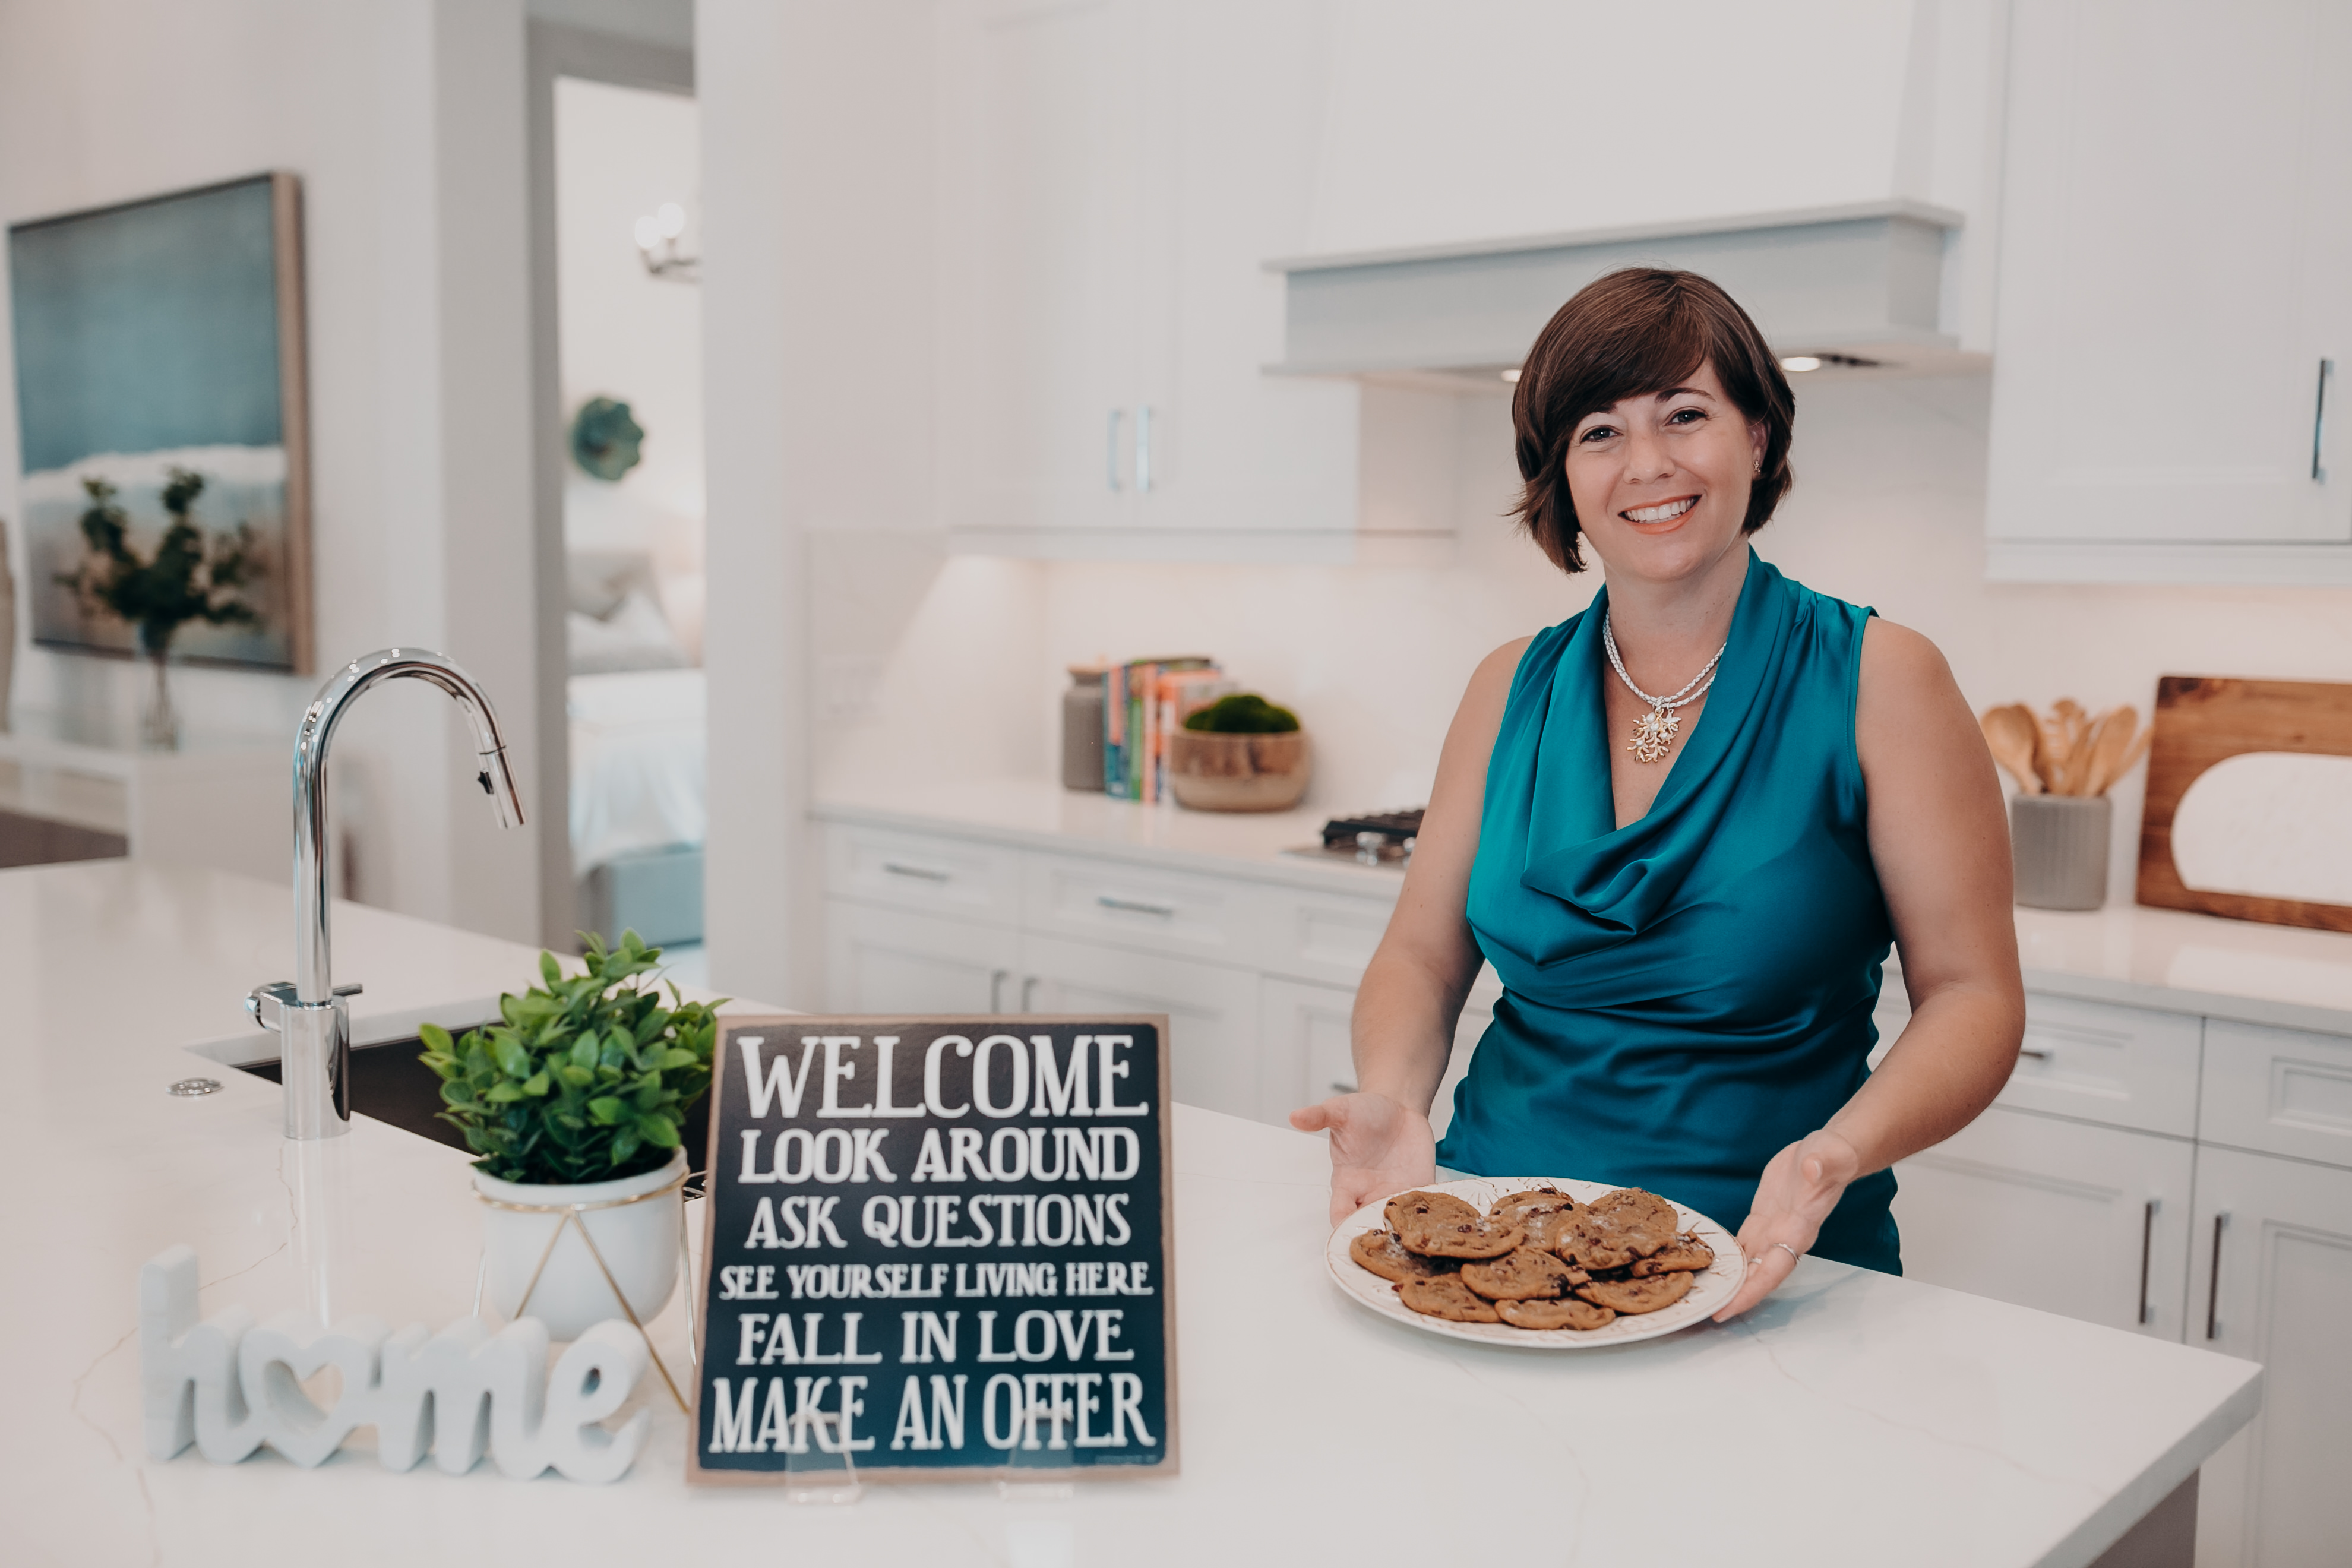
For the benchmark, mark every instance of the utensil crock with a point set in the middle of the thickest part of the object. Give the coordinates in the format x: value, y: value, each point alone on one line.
x: 2058, y: 848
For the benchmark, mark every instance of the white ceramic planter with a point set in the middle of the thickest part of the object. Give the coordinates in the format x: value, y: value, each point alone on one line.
x: 639, y: 1242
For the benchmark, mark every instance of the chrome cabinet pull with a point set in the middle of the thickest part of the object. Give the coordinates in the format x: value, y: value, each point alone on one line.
x: 2146, y: 1240
x: 996, y: 979
x: 2213, y: 1284
x: 1142, y: 449
x: 1111, y: 452
x: 1028, y: 992
x: 1136, y: 906
x: 2319, y: 423
x: 920, y: 873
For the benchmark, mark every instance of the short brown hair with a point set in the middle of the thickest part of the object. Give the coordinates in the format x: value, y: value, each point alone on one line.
x: 1630, y: 333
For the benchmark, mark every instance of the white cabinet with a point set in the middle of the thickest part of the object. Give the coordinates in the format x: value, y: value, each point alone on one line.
x: 1112, y: 174
x: 892, y: 961
x: 2278, y: 1092
x: 2091, y: 1222
x: 1256, y: 977
x: 2176, y: 266
x: 1044, y: 196
x: 2271, y: 1281
x: 1306, y: 1050
x: 1211, y: 1011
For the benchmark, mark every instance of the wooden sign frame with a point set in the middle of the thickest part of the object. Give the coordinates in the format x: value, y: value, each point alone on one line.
x: 819, y: 1083
x: 2201, y: 720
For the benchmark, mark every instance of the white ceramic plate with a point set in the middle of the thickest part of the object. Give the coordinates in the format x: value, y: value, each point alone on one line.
x: 1710, y: 1290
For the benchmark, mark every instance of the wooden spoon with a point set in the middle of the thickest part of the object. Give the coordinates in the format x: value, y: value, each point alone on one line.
x: 2069, y: 748
x: 2111, y: 739
x: 2014, y: 740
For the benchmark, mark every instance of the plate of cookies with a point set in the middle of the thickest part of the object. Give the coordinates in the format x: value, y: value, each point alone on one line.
x: 1541, y: 1262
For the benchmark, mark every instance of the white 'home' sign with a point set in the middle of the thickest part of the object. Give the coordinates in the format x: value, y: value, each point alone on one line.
x: 228, y: 1386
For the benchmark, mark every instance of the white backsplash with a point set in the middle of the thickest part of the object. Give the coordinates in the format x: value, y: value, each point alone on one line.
x: 1887, y: 512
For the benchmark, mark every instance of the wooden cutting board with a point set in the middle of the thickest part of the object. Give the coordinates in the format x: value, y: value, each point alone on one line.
x: 2201, y: 721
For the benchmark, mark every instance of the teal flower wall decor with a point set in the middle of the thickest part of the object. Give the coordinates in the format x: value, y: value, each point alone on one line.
x: 607, y: 442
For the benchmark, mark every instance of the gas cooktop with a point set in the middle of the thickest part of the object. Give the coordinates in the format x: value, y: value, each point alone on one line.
x: 1372, y: 838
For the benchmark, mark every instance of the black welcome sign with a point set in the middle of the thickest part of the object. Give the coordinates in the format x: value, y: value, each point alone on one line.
x: 937, y: 1248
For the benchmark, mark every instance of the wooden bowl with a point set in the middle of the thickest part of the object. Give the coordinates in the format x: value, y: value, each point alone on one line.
x: 1209, y: 772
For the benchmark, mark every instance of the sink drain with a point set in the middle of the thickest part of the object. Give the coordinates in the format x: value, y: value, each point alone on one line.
x: 190, y: 1088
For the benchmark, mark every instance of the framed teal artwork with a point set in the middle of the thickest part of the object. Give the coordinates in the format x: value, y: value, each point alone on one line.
x: 163, y: 426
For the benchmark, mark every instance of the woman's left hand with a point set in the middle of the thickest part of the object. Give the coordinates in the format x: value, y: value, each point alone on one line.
x: 1800, y: 1187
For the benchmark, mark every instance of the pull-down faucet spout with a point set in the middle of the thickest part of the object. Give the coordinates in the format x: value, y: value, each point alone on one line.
x: 308, y: 1011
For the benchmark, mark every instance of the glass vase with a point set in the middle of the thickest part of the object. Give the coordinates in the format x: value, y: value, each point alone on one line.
x: 159, y: 720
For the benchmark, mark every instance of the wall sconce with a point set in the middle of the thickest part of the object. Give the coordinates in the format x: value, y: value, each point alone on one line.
x: 658, y: 236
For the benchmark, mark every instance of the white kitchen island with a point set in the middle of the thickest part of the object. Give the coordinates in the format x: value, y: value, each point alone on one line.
x: 1852, y: 1419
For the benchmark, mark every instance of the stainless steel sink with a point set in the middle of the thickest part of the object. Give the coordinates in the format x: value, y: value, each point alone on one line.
x: 391, y: 1084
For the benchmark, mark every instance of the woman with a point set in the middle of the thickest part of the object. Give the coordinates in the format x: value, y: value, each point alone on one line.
x: 1684, y: 826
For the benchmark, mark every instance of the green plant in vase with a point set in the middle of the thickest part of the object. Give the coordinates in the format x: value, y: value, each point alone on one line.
x: 588, y: 1078
x: 576, y: 1102
x: 192, y: 576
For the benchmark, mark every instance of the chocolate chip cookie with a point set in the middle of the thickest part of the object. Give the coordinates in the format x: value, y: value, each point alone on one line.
x: 1566, y: 1313
x: 1632, y: 1296
x: 1524, y: 1207
x: 1384, y: 1255
x: 1522, y: 1274
x: 1426, y: 1205
x: 1476, y: 1237
x: 1687, y: 1254
x: 1446, y: 1296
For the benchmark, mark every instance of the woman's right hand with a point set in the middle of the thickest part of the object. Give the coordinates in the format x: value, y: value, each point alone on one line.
x: 1378, y: 1148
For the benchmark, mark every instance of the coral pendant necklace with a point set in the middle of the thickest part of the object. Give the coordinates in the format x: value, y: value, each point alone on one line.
x: 1654, y: 732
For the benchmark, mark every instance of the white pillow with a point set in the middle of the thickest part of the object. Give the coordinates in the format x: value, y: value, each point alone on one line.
x: 633, y: 636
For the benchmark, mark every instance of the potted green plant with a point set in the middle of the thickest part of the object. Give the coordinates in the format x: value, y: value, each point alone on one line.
x: 1241, y: 753
x: 192, y: 576
x: 576, y: 1102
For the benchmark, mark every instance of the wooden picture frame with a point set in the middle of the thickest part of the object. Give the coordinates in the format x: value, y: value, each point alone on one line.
x: 726, y: 1118
x: 164, y: 333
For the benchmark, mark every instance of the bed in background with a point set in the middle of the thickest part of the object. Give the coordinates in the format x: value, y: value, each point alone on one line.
x: 638, y: 725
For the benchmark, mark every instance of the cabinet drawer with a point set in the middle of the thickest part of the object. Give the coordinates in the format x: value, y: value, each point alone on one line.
x: 2278, y: 1092
x: 2124, y: 1066
x: 917, y: 872
x: 1326, y: 937
x: 1135, y: 906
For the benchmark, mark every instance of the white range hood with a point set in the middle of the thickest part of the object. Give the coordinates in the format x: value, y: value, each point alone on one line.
x: 1859, y: 283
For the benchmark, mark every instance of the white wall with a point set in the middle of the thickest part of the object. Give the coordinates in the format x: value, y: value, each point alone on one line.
x: 818, y: 288
x: 406, y: 122
x: 620, y: 153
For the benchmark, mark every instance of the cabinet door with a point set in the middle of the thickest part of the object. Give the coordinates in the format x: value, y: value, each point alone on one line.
x: 1042, y: 200
x: 2091, y: 1222
x: 890, y: 961
x: 1305, y: 1051
x: 1211, y: 1011
x: 2176, y: 261
x: 2277, y: 1290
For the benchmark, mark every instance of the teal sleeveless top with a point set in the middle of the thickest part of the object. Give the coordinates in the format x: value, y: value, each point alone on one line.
x: 1686, y: 995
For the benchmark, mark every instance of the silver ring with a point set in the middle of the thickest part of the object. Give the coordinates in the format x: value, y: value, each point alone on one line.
x: 1792, y: 1251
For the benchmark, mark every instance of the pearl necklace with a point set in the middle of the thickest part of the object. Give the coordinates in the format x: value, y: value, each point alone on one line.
x: 1653, y: 736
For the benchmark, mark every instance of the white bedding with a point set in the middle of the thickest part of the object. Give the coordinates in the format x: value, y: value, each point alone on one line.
x: 637, y: 745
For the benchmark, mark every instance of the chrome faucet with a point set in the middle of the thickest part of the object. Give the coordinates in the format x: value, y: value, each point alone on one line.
x: 308, y: 1011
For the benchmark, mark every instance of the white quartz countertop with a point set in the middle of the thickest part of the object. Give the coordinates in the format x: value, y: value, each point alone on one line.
x: 2285, y: 975
x: 1854, y: 1419
x: 1038, y: 815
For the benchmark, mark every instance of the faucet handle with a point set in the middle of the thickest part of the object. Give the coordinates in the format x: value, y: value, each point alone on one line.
x: 351, y: 989
x: 267, y: 1003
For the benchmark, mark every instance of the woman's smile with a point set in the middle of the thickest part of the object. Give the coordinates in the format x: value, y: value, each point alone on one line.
x: 1659, y: 518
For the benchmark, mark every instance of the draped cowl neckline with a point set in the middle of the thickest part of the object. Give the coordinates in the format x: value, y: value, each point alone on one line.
x: 1627, y: 878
